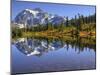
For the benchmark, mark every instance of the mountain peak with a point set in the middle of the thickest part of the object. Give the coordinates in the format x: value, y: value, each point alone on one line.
x: 32, y: 11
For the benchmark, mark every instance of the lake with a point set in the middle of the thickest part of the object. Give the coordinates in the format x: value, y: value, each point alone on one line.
x: 33, y: 55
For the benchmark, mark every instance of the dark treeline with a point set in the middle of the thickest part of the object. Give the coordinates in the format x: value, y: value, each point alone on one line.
x: 80, y: 21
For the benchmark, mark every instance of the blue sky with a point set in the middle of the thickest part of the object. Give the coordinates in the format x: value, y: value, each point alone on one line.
x: 59, y: 9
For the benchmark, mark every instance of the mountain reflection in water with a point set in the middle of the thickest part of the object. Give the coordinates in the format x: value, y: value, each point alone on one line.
x: 37, y: 47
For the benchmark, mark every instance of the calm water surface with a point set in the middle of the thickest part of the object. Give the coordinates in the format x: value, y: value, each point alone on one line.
x: 43, y: 55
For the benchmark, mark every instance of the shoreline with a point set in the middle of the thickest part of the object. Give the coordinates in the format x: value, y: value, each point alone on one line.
x: 59, y: 34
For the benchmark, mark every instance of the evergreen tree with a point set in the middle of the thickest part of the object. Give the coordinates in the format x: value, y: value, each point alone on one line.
x: 67, y: 21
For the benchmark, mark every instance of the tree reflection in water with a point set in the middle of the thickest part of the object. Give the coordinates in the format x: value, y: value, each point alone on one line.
x: 39, y: 46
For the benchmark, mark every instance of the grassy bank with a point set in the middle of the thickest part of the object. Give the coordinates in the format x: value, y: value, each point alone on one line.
x: 56, y: 33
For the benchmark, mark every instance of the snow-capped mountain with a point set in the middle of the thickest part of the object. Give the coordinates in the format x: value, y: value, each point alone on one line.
x: 34, y: 17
